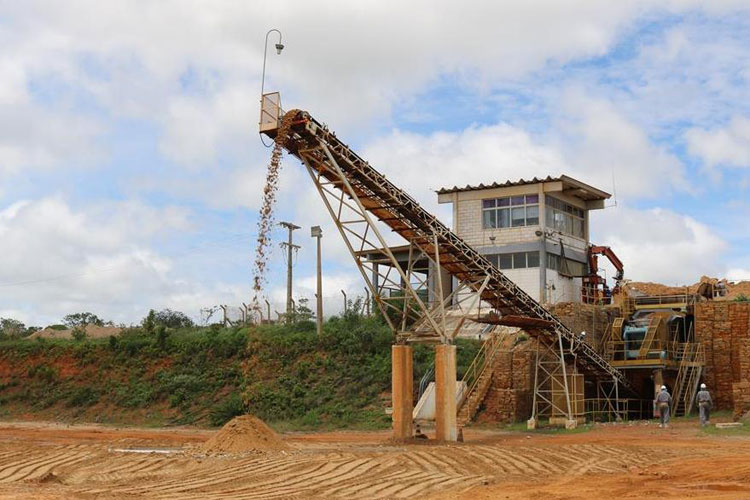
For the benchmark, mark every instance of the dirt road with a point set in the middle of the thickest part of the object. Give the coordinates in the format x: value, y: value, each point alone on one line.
x: 625, y: 461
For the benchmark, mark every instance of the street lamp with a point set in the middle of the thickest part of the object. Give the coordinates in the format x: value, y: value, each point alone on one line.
x: 279, y: 47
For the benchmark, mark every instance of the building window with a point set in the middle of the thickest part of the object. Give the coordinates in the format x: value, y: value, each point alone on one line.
x: 512, y: 211
x: 516, y: 260
x: 564, y: 217
x: 566, y: 267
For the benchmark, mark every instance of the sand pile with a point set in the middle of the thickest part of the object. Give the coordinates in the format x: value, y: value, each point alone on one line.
x: 244, y: 433
x: 92, y: 332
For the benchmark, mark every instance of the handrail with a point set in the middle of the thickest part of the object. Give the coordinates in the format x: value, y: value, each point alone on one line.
x: 478, y: 366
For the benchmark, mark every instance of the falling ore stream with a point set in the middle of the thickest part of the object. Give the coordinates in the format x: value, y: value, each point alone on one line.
x: 266, y: 216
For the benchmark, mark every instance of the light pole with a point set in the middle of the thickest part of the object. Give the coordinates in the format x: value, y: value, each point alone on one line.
x: 279, y: 47
x: 317, y: 232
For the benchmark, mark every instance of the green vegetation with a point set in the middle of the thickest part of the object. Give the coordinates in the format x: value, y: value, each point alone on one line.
x: 742, y: 298
x: 712, y: 430
x: 156, y: 373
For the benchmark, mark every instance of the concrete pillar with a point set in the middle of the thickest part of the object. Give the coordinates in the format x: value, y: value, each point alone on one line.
x: 445, y: 393
x: 402, y: 385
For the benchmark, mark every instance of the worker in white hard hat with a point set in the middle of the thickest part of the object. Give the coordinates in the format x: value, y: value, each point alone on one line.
x: 663, y: 404
x: 704, y: 405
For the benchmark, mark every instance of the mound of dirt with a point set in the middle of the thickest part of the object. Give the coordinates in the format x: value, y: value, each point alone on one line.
x: 244, y: 433
x: 92, y: 332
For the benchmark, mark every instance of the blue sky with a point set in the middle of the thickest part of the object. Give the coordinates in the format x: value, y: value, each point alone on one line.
x: 131, y: 167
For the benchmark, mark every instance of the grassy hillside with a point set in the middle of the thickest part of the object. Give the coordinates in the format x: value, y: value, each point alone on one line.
x: 285, y: 374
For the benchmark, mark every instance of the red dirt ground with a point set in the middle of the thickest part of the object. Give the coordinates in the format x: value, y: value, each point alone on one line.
x: 637, y: 460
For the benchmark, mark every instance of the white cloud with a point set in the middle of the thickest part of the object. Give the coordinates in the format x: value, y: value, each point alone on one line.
x: 727, y: 146
x: 602, y: 142
x: 180, y: 64
x: 660, y: 245
x: 59, y: 260
x: 421, y: 164
x: 738, y: 274
x: 36, y: 138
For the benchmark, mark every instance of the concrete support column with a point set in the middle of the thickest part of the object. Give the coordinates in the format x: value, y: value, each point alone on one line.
x: 445, y: 393
x: 402, y: 386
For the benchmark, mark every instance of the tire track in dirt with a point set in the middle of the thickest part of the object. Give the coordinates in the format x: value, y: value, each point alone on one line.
x: 35, y: 460
x: 341, y: 474
x: 222, y: 475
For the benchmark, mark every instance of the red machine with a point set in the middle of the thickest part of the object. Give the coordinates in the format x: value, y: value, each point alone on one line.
x: 595, y: 289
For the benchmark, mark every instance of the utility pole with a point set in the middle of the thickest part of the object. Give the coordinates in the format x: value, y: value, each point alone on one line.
x: 290, y: 247
x: 317, y: 232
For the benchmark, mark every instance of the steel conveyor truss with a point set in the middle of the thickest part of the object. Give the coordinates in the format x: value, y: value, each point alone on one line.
x: 346, y: 182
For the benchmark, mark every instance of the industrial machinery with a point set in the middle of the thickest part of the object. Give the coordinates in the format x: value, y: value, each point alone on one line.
x: 362, y: 202
x: 650, y: 333
x: 594, y: 289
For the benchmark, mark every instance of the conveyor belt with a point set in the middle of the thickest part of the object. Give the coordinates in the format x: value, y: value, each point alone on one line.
x: 405, y: 216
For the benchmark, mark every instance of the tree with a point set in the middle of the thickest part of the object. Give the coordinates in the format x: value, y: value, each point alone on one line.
x: 12, y: 328
x: 79, y: 332
x: 149, y: 322
x: 172, y: 319
x: 82, y: 319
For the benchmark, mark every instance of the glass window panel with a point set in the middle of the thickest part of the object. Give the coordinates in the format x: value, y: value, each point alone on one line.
x: 559, y: 220
x: 503, y: 217
x: 492, y: 259
x: 518, y: 216
x: 503, y: 202
x: 532, y: 198
x: 505, y: 261
x: 532, y: 215
x: 519, y: 260
x: 578, y: 228
x: 549, y: 216
x: 532, y: 259
x: 489, y: 220
x: 516, y: 200
x: 568, y: 224
x: 552, y: 261
x: 488, y: 203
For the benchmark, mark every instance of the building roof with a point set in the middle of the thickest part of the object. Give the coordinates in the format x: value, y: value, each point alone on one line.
x: 571, y: 186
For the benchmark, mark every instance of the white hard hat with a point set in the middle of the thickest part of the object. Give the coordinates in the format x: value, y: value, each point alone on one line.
x: 664, y: 388
x: 703, y: 386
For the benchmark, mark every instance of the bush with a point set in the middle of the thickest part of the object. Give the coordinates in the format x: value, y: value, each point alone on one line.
x: 227, y: 410
x: 84, y: 396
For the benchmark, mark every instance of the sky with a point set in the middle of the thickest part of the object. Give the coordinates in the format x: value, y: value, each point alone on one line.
x: 131, y: 169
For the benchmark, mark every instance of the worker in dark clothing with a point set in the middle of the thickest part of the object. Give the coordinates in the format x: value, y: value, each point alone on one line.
x: 663, y: 404
x: 704, y: 405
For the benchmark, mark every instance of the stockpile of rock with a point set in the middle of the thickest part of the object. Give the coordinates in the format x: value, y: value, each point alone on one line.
x: 724, y: 330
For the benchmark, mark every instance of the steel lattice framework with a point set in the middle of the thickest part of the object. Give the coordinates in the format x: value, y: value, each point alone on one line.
x: 361, y: 200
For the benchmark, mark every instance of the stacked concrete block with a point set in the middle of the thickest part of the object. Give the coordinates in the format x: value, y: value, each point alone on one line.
x: 741, y: 396
x: 589, y: 318
x: 724, y: 330
x: 510, y: 394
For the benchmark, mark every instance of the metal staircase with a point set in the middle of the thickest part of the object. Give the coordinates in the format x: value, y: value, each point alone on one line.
x: 653, y: 327
x: 347, y: 183
x: 478, y: 378
x: 688, y: 376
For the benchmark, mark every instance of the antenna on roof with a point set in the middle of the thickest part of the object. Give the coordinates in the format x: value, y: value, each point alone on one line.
x: 614, y: 192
